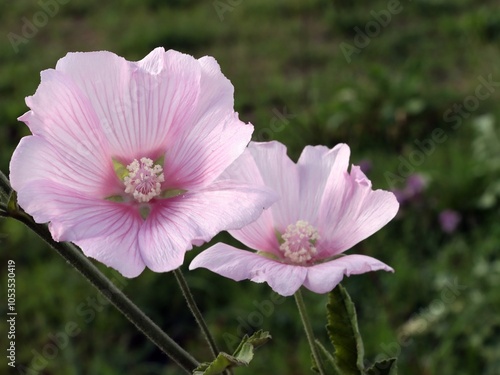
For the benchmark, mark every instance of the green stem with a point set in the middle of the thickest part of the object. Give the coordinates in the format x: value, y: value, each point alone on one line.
x: 5, y: 187
x: 196, y: 312
x: 309, y: 333
x: 75, y: 257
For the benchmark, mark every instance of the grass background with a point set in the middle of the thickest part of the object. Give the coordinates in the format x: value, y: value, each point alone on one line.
x: 441, y: 309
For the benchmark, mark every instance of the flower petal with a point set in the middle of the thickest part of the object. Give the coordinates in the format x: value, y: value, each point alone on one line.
x: 260, y: 234
x: 322, y: 278
x: 37, y: 159
x: 139, y: 104
x: 239, y: 265
x: 272, y: 167
x: 106, y: 231
x: 215, y: 136
x: 62, y: 116
x: 318, y: 165
x: 352, y: 211
x: 118, y: 250
x: 195, y: 217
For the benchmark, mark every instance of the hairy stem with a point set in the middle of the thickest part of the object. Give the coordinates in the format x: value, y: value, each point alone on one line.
x: 309, y: 333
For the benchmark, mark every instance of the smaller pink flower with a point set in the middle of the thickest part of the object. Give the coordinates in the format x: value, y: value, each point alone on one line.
x: 324, y: 210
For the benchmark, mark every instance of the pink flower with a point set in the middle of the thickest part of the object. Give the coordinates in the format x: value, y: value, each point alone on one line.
x: 323, y: 211
x: 124, y: 157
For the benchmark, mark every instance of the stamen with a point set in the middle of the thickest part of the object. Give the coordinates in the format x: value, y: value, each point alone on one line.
x: 143, y: 180
x: 299, y: 240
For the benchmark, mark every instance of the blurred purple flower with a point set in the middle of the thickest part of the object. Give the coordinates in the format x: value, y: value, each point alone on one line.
x: 415, y: 185
x: 365, y: 165
x: 449, y: 220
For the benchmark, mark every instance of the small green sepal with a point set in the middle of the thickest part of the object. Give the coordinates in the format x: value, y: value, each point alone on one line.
x: 115, y: 198
x: 171, y: 193
x: 144, y: 210
x: 241, y: 356
x: 160, y: 161
x: 265, y: 254
x: 120, y: 169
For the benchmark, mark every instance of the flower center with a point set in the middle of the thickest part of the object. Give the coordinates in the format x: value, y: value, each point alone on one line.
x: 298, y: 242
x: 144, y: 179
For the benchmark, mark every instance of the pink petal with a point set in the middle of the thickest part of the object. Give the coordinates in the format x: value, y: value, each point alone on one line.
x: 317, y: 165
x: 106, y: 231
x: 259, y: 234
x: 118, y: 249
x: 73, y: 215
x: 215, y: 136
x: 138, y: 104
x: 239, y: 265
x: 351, y: 211
x: 322, y: 278
x: 36, y: 159
x: 273, y: 168
x: 174, y: 224
x: 65, y: 118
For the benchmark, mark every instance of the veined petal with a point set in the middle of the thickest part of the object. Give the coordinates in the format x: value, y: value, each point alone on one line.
x: 36, y: 159
x: 73, y: 215
x: 352, y: 214
x: 239, y: 265
x: 211, y: 138
x: 118, y: 249
x: 64, y: 117
x: 174, y: 224
x: 322, y: 278
x: 104, y: 230
x: 141, y: 104
x: 276, y: 171
x: 319, y: 165
x: 259, y: 234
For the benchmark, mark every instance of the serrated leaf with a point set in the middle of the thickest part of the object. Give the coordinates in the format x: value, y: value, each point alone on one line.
x: 241, y: 356
x: 344, y: 334
x: 385, y: 367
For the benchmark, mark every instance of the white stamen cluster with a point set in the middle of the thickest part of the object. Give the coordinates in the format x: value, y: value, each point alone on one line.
x: 144, y: 180
x: 299, y: 240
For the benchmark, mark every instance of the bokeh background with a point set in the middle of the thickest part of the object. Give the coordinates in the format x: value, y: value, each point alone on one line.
x: 416, y: 98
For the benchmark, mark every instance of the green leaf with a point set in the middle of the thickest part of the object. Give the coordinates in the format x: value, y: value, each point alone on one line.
x: 344, y: 334
x: 241, y: 356
x: 385, y: 367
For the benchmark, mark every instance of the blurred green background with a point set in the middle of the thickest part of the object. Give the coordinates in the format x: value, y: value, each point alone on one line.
x: 382, y: 76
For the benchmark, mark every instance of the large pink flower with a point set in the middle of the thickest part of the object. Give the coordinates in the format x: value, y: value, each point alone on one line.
x: 124, y: 157
x: 323, y: 211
